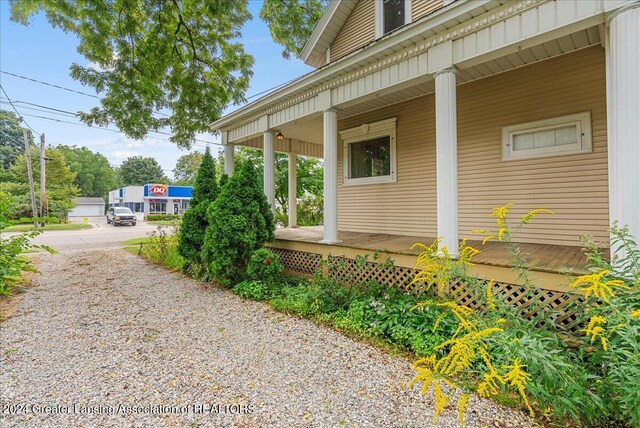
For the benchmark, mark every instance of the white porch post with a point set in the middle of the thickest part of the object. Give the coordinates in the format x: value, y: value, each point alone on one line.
x: 447, y: 159
x: 623, y: 116
x: 330, y: 144
x: 229, y: 157
x: 269, y: 152
x: 293, y: 191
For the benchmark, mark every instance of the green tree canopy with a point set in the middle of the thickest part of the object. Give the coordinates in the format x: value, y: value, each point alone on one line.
x: 60, y: 190
x: 309, y: 184
x: 136, y: 171
x: 11, y: 138
x: 94, y: 175
x: 183, y: 57
x: 292, y: 22
x: 184, y: 173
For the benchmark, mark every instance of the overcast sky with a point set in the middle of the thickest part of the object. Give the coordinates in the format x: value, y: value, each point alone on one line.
x: 43, y: 53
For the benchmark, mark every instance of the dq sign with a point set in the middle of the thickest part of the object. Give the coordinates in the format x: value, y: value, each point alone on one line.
x: 158, y: 190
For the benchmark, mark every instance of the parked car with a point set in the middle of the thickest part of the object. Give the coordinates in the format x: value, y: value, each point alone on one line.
x: 120, y: 215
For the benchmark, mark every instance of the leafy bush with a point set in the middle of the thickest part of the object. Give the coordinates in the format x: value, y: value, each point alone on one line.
x: 240, y: 222
x: 12, y: 264
x: 30, y: 220
x: 498, y: 351
x: 162, y: 249
x: 194, y: 223
x: 255, y: 290
x: 162, y: 217
x: 265, y: 266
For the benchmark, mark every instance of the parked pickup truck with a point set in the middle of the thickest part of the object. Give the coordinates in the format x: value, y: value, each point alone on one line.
x: 120, y: 215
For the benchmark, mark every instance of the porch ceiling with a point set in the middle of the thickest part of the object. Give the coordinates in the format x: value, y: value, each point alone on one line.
x: 304, y: 135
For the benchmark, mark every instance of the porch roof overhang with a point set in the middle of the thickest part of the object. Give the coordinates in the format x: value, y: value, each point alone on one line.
x: 479, y: 38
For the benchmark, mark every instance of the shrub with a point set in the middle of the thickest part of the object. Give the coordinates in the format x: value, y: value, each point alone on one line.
x: 265, y: 266
x: 12, y: 263
x: 194, y: 223
x: 255, y: 290
x: 240, y: 222
x: 162, y: 249
x: 162, y: 217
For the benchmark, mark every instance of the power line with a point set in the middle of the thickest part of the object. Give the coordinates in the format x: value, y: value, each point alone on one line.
x: 110, y: 130
x: 49, y: 84
x: 97, y: 97
x: 63, y: 112
x: 14, y: 108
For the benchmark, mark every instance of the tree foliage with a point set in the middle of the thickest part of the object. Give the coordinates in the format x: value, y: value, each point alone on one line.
x: 240, y: 222
x: 309, y: 185
x: 94, y: 175
x: 194, y: 222
x: 137, y: 171
x: 147, y: 56
x: 187, y: 166
x: 11, y: 138
x: 291, y: 22
x: 60, y: 190
x: 184, y: 57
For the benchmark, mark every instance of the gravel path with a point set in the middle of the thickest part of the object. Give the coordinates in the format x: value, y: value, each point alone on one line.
x: 100, y: 331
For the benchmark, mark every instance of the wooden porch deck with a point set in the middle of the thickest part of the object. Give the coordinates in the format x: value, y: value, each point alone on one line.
x: 542, y: 258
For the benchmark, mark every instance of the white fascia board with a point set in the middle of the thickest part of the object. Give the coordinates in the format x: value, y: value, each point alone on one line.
x: 319, y: 30
x: 395, y: 38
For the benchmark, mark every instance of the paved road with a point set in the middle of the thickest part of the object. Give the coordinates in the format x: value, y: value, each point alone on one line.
x: 102, y: 235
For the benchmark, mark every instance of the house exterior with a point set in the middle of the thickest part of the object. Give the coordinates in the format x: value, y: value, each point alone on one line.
x: 152, y: 199
x: 429, y: 113
x: 88, y: 207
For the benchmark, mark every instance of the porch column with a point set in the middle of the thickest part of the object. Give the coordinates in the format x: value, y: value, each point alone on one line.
x: 447, y: 159
x: 293, y: 191
x: 229, y: 157
x: 330, y: 144
x: 623, y: 116
x: 269, y: 152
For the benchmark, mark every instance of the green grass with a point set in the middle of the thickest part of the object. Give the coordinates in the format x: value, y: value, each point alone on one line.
x: 59, y: 226
x: 137, y: 241
x: 163, y: 222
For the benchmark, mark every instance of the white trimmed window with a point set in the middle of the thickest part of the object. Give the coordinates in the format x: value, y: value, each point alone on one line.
x: 564, y: 135
x: 370, y: 153
x: 391, y: 14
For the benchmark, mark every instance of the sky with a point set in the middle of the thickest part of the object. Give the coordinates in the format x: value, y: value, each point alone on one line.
x: 43, y: 53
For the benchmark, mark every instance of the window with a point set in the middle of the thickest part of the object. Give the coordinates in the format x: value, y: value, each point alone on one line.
x: 158, y: 207
x: 370, y: 153
x: 391, y: 14
x: 557, y: 136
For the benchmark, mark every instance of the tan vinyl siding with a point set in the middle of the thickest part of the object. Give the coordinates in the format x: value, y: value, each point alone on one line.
x: 420, y: 8
x: 574, y: 186
x: 357, y: 31
x: 407, y: 207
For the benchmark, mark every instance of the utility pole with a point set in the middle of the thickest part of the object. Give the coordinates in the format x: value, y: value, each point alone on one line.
x: 32, y: 191
x: 42, y: 175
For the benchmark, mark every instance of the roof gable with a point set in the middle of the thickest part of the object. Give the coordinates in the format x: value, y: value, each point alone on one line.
x: 326, y: 30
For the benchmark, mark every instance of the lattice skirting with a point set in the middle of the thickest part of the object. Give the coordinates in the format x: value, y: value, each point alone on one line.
x: 559, y: 305
x: 298, y: 261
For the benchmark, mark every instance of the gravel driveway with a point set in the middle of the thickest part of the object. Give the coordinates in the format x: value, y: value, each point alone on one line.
x: 105, y: 331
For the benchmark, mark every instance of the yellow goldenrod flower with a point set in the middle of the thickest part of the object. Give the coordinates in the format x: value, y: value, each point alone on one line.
x: 490, y: 299
x: 441, y: 400
x: 597, y: 286
x: 518, y: 378
x: 531, y: 214
x: 462, y: 407
x: 636, y: 313
x: 595, y: 330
